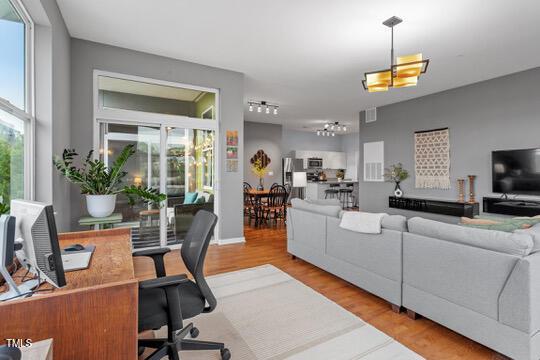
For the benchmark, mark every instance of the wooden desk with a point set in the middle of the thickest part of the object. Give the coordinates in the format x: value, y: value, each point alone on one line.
x: 95, y: 315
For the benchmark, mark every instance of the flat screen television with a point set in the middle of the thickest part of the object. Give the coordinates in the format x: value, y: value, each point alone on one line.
x: 516, y: 171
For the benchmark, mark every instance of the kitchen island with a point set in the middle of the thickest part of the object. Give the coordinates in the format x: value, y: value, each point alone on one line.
x: 315, y: 189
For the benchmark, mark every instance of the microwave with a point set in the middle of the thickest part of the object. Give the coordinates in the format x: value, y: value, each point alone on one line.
x: 314, y: 163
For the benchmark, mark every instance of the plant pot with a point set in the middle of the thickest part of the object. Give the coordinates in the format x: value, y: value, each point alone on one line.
x: 100, y: 205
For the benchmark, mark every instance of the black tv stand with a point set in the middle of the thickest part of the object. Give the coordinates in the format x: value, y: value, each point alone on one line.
x: 516, y: 207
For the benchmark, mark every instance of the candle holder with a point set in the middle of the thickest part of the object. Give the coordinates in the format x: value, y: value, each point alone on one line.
x: 472, y: 197
x: 461, y: 189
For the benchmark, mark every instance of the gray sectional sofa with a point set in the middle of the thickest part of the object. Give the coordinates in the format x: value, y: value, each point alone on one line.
x: 480, y: 283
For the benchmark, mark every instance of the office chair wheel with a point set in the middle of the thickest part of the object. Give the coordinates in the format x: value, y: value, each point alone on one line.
x: 225, y: 354
x: 194, y: 332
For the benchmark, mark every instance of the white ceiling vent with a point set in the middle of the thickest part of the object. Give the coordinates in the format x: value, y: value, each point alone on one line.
x: 371, y: 115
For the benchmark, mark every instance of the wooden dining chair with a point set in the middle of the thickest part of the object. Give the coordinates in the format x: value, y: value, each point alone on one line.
x: 250, y: 207
x: 275, y: 209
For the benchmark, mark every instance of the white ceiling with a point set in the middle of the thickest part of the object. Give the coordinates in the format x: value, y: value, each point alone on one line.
x: 309, y: 56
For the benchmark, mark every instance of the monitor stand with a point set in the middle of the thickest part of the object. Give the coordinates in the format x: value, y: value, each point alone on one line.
x: 17, y: 291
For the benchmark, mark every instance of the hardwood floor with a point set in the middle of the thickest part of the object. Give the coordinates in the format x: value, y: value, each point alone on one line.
x: 267, y: 245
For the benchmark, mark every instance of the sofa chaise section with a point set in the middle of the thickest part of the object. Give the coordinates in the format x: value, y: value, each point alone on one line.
x: 482, y: 284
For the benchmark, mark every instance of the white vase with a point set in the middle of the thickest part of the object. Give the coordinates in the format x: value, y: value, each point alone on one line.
x: 100, y: 205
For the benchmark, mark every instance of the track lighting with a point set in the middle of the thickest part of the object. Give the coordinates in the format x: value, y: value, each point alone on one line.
x: 268, y: 108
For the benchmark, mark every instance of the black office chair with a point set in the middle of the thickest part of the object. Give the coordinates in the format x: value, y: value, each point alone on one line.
x: 168, y: 300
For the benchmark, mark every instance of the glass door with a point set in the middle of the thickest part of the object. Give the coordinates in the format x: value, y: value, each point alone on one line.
x: 143, y: 169
x: 190, y: 177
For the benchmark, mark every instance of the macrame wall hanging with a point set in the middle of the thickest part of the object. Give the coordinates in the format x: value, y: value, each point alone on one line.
x: 432, y: 159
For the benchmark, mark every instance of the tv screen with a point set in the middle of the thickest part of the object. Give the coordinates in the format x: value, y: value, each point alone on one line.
x: 516, y: 171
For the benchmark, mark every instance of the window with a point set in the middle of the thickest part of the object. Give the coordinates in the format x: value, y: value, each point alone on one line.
x: 15, y: 102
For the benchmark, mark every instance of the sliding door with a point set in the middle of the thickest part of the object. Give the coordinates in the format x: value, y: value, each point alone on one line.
x: 174, y: 153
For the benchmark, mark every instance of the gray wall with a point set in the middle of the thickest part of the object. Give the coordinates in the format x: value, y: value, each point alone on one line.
x: 268, y: 138
x: 303, y: 140
x: 52, y: 92
x: 502, y: 113
x: 87, y: 56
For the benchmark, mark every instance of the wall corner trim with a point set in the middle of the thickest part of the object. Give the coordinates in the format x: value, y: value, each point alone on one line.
x: 229, y: 241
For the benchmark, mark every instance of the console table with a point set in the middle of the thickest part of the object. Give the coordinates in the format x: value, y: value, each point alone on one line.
x: 441, y: 207
x: 511, y: 206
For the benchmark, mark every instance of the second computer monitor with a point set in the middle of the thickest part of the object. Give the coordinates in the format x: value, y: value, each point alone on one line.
x: 36, y: 231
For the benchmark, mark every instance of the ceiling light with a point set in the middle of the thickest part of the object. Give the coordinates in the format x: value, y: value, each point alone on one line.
x: 263, y: 104
x: 344, y: 128
x: 332, y: 127
x: 333, y: 134
x: 338, y: 128
x: 326, y: 125
x: 318, y: 133
x: 404, y: 73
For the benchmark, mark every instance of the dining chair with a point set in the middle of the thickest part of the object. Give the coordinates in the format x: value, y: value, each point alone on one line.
x: 275, y: 209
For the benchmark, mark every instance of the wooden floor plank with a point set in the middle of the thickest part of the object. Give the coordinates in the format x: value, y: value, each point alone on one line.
x: 267, y: 245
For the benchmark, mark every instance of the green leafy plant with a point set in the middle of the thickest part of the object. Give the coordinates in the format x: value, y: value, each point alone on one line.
x: 396, y: 173
x: 95, y: 178
x: 4, y: 208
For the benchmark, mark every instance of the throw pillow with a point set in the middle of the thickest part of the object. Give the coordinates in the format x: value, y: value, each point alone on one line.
x: 534, y: 231
x: 200, y: 200
x: 190, y: 197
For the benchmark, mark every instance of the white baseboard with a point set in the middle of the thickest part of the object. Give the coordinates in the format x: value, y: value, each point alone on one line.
x: 229, y: 241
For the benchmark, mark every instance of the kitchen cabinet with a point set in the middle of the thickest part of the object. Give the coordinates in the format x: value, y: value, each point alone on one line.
x: 331, y: 159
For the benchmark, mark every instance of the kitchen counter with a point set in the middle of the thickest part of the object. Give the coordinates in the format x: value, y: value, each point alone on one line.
x: 315, y: 189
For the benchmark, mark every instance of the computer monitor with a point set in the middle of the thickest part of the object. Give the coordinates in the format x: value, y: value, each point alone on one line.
x: 35, y: 229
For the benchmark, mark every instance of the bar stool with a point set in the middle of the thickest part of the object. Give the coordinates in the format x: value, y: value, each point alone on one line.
x: 346, y: 196
x: 332, y: 193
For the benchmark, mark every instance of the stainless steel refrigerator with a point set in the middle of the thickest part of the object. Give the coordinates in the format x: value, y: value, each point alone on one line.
x: 288, y: 166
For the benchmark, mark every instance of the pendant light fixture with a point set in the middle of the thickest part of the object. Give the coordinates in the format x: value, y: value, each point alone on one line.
x: 403, y: 73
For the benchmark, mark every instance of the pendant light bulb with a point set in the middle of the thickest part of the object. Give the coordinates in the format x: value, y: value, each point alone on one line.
x: 333, y: 134
x: 344, y: 128
x: 259, y: 108
x: 275, y: 111
x: 267, y: 110
x: 250, y: 107
x: 326, y: 126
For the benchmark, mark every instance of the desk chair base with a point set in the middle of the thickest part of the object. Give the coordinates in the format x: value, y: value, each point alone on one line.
x: 165, y: 347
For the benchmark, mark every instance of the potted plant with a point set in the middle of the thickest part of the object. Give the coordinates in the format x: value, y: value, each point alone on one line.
x: 260, y: 171
x: 396, y: 173
x: 101, y: 184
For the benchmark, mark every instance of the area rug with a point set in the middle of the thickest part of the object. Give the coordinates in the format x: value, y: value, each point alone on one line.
x: 264, y: 313
x: 432, y: 159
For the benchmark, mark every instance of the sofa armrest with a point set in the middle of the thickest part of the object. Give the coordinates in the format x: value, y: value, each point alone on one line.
x: 519, y: 302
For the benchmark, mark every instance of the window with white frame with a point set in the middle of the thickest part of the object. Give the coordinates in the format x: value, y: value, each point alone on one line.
x: 16, y: 103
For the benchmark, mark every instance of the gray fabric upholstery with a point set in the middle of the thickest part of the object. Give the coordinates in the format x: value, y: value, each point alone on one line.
x: 335, y: 202
x: 534, y: 232
x: 519, y: 303
x: 308, y: 228
x: 370, y: 261
x: 395, y: 222
x: 468, y: 276
x: 359, y: 249
x: 510, y: 243
x: 328, y: 210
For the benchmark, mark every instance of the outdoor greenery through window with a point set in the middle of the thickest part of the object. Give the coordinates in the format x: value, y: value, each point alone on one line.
x: 14, y: 102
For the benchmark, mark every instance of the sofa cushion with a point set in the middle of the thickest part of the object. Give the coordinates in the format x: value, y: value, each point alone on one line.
x: 395, y: 222
x: 534, y: 232
x: 510, y: 243
x: 328, y: 210
x: 324, y: 201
